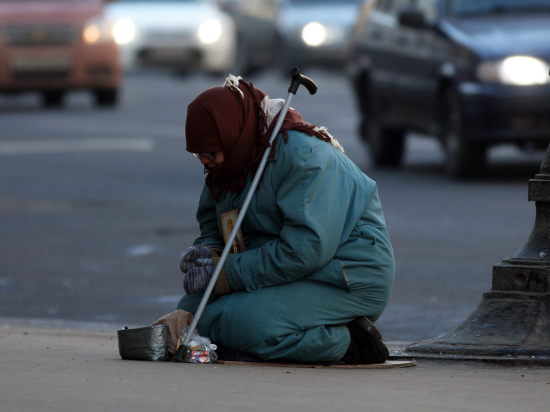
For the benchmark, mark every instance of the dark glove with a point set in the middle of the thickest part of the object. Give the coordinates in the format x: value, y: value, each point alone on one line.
x: 198, y: 264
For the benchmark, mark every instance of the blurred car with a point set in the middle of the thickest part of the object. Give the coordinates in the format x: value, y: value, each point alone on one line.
x: 472, y: 73
x: 183, y: 35
x: 315, y: 32
x: 54, y: 46
x: 257, y: 39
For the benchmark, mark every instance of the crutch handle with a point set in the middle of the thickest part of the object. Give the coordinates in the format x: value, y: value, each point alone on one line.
x: 298, y: 79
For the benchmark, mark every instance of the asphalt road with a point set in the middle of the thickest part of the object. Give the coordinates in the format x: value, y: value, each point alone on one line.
x: 96, y: 207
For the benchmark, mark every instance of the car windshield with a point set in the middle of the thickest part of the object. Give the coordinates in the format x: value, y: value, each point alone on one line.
x: 463, y: 8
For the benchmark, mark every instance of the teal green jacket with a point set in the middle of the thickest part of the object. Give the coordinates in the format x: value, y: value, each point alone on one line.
x: 315, y: 217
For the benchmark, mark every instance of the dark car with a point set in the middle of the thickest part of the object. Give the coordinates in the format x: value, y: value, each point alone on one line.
x: 257, y: 40
x: 288, y: 33
x: 474, y: 73
x: 315, y: 33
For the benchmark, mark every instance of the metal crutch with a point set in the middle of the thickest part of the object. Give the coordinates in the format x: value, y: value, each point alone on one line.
x: 297, y: 80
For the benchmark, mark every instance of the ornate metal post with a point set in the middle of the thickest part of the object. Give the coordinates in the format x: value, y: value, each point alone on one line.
x: 512, y: 321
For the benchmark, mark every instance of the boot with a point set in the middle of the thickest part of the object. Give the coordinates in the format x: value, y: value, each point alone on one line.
x: 366, y: 346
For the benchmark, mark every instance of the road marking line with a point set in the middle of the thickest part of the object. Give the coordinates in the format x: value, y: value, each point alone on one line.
x: 107, y: 127
x: 74, y: 146
x: 142, y: 250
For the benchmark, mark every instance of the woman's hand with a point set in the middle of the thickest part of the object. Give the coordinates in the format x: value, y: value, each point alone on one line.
x: 198, y: 264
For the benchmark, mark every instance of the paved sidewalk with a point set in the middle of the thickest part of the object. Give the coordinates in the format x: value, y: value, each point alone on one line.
x: 60, y: 369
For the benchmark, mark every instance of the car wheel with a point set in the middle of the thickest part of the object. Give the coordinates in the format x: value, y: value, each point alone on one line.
x: 286, y: 60
x: 386, y: 145
x: 53, y: 98
x: 241, y: 65
x: 106, y: 97
x: 464, y: 159
x: 361, y: 91
x: 182, y: 72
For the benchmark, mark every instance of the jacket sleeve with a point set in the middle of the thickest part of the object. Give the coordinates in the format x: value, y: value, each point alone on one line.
x: 314, y: 202
x: 208, y: 222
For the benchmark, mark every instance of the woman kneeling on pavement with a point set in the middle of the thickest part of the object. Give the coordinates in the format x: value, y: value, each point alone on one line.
x: 314, y: 267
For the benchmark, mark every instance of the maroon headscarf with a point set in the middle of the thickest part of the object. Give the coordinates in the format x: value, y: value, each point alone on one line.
x: 231, y: 120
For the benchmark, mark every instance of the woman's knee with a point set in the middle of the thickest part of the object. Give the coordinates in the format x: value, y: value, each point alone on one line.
x: 190, y: 303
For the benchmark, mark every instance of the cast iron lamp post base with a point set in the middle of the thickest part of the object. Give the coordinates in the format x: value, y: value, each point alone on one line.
x: 512, y: 321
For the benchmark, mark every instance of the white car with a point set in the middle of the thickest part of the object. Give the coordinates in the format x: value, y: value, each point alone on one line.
x: 184, y: 35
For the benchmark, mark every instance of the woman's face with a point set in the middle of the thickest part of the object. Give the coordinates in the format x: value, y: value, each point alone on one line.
x: 210, y: 164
